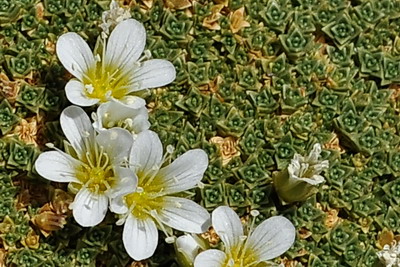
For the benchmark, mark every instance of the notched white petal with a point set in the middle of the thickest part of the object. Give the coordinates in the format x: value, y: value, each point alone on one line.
x: 75, y: 94
x: 75, y: 54
x: 117, y: 143
x: 211, y: 257
x: 89, y: 209
x: 152, y: 73
x: 185, y: 172
x: 126, y: 44
x: 57, y: 166
x: 140, y: 237
x: 184, y: 215
x: 77, y: 127
x: 146, y: 153
x: 272, y: 238
x: 228, y: 226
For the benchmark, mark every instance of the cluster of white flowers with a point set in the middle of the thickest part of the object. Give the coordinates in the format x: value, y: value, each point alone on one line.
x: 390, y: 255
x: 116, y: 163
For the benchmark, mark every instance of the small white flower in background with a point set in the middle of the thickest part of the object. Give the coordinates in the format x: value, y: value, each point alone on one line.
x: 298, y: 182
x: 112, y: 17
x: 187, y: 247
x: 117, y: 114
x: 93, y: 167
x: 153, y: 203
x: 269, y: 240
x: 117, y: 71
x: 308, y: 168
x: 390, y: 255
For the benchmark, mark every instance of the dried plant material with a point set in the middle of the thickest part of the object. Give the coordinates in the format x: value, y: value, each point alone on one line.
x: 211, y: 236
x: 332, y: 218
x: 50, y: 46
x: 222, y: 2
x: 386, y: 237
x: 304, y: 233
x: 7, y: 225
x: 150, y: 106
x: 39, y: 11
x: 27, y: 130
x: 227, y: 147
x: 290, y: 263
x: 211, y: 22
x: 3, y: 257
x: 334, y: 144
x: 9, y: 89
x: 52, y: 216
x: 61, y: 201
x: 143, y: 263
x: 31, y: 241
x: 48, y: 221
x: 178, y: 4
x: 238, y: 21
x: 148, y: 4
x: 212, y: 88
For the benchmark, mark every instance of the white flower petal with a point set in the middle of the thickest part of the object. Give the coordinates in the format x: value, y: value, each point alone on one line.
x: 188, y: 246
x: 126, y: 44
x: 118, y: 206
x: 140, y: 237
x: 146, y: 153
x: 184, y: 215
x: 132, y: 101
x: 228, y: 226
x: 140, y: 123
x: 75, y: 54
x: 57, y: 166
x: 126, y: 182
x: 117, y: 143
x: 210, y: 258
x: 185, y: 172
x: 89, y: 209
x: 314, y: 154
x: 114, y: 113
x: 75, y: 94
x: 272, y: 238
x: 152, y: 73
x: 77, y: 127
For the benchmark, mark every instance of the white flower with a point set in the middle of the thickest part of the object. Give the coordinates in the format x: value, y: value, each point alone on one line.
x: 153, y: 203
x: 187, y: 248
x: 390, y: 255
x: 117, y: 72
x: 298, y: 182
x: 93, y: 167
x: 117, y: 114
x: 269, y: 240
x: 112, y: 17
x: 308, y: 168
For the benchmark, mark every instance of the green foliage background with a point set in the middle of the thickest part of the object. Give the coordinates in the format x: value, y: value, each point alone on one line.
x: 303, y: 71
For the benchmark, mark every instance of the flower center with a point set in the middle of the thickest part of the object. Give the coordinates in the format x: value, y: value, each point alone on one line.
x: 96, y: 172
x: 104, y: 81
x: 239, y: 256
x: 144, y: 203
x: 148, y: 198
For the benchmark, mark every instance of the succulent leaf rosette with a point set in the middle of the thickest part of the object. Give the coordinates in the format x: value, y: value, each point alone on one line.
x: 298, y: 182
